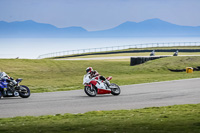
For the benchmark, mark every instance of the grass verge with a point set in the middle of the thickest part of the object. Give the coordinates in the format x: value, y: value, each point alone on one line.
x: 170, y: 119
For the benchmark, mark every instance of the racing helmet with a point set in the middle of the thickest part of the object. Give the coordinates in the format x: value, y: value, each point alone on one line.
x: 89, y: 70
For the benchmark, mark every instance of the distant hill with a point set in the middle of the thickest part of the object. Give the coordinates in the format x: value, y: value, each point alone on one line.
x: 147, y: 28
x: 30, y: 28
x: 151, y: 27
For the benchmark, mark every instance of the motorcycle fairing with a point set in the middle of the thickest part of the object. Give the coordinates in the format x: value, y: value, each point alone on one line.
x: 18, y: 80
x: 103, y: 91
x: 3, y: 84
x: 93, y: 82
x: 98, y: 84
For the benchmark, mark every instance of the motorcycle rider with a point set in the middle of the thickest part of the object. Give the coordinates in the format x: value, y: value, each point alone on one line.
x: 94, y: 73
x: 4, y: 76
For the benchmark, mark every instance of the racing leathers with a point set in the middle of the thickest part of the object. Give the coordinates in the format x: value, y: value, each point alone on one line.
x: 97, y: 76
x: 4, y: 76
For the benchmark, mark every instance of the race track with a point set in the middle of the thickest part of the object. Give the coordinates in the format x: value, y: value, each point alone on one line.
x: 114, y: 57
x: 131, y: 97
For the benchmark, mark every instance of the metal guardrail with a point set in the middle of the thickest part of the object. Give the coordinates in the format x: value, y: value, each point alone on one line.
x: 113, y: 48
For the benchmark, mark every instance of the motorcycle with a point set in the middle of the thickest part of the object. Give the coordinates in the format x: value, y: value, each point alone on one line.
x: 9, y: 89
x: 94, y: 86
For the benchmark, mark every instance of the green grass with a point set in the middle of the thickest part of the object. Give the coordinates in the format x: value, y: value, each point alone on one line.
x: 58, y: 75
x: 170, y: 119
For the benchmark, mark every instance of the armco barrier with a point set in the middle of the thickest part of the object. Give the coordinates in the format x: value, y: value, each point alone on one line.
x: 140, y: 60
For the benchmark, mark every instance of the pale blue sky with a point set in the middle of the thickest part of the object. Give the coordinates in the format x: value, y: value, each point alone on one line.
x: 100, y: 14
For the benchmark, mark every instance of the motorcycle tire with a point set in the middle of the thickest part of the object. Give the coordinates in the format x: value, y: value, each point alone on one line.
x: 115, y: 91
x: 89, y: 92
x: 24, y: 93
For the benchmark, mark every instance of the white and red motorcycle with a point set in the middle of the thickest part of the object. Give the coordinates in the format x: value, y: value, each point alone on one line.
x: 94, y: 86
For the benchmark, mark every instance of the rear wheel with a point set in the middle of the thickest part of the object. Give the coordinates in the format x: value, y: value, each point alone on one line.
x: 24, y: 91
x: 90, y: 92
x: 115, y: 90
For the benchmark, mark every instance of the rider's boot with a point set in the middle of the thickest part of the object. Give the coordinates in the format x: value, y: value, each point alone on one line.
x: 107, y: 83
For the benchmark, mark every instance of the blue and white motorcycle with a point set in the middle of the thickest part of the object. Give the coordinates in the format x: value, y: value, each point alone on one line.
x: 9, y: 89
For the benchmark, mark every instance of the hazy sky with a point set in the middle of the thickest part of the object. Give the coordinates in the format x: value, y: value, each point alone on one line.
x: 100, y: 14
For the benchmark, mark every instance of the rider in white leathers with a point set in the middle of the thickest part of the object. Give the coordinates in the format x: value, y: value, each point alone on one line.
x: 94, y: 73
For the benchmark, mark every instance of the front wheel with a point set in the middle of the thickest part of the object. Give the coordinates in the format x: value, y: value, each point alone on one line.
x: 24, y: 91
x: 115, y: 90
x: 90, y: 92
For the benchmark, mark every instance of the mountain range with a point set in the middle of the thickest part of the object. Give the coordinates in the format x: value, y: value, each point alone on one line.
x: 148, y: 28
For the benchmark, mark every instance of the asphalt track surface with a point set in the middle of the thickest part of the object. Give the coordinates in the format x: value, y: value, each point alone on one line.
x: 131, y: 97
